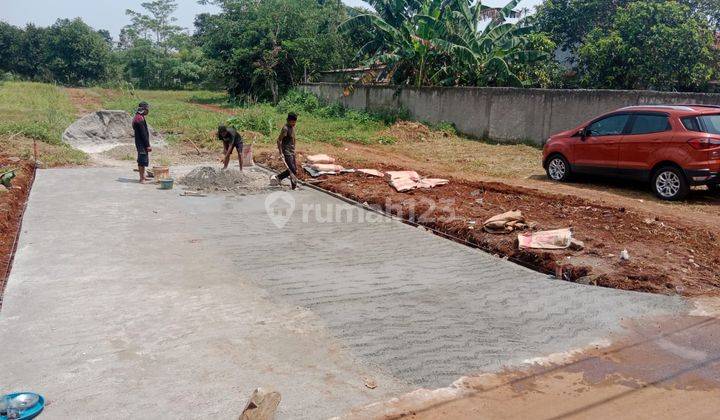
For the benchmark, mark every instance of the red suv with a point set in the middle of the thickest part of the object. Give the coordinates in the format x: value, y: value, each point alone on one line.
x: 671, y: 146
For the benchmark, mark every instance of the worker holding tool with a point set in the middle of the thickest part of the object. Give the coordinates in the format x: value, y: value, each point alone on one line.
x: 231, y: 140
x: 142, y: 139
x: 286, y: 146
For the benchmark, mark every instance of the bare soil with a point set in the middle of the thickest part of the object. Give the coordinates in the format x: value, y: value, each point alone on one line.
x: 85, y: 101
x: 668, y: 254
x: 12, y: 206
x: 215, y: 108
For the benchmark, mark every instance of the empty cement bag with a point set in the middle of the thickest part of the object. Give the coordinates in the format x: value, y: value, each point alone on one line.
x: 326, y: 167
x: 321, y: 158
x: 548, y: 239
x: 247, y: 155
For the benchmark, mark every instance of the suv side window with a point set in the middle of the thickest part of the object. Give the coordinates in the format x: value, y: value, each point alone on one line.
x: 691, y: 123
x: 612, y: 125
x: 650, y: 123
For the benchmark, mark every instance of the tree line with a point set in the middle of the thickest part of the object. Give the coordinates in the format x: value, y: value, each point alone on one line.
x: 258, y: 49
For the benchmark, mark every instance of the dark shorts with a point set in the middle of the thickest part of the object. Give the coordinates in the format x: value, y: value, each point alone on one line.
x: 238, y: 146
x: 143, y: 159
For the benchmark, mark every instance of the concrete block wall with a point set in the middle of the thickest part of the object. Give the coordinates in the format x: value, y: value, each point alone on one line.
x: 502, y: 114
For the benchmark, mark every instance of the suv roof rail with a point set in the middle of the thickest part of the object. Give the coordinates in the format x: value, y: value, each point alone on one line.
x: 673, y: 106
x: 684, y: 107
x: 699, y: 105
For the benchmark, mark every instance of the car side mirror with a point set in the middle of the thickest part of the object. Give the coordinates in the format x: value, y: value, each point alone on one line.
x: 584, y: 133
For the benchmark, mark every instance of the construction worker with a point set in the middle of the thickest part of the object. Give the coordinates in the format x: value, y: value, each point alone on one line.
x: 142, y: 139
x: 231, y: 140
x: 286, y: 147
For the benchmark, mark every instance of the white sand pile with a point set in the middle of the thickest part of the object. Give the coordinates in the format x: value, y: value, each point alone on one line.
x: 104, y: 130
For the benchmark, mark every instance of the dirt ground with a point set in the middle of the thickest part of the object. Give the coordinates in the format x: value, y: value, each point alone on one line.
x: 12, y: 205
x: 85, y: 100
x: 668, y: 254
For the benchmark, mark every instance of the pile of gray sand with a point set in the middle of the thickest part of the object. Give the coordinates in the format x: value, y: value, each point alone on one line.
x: 208, y: 179
x: 104, y: 130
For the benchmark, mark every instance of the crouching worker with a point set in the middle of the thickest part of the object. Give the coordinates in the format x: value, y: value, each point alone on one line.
x: 231, y: 140
x: 142, y: 139
x: 286, y: 146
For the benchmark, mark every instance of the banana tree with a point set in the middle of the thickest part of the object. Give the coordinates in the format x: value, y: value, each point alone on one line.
x: 405, y: 30
x: 439, y: 42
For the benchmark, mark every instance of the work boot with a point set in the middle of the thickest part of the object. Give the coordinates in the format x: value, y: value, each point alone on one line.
x: 293, y: 184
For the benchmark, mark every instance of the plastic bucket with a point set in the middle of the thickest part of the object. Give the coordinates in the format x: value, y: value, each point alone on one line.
x: 161, y: 172
x: 166, y: 184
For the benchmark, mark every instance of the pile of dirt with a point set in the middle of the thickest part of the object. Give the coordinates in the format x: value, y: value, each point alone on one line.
x: 209, y: 179
x: 667, y: 256
x: 12, y: 205
x: 103, y: 130
x: 407, y: 132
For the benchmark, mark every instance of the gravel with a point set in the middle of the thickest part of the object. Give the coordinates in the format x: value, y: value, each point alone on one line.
x: 209, y: 179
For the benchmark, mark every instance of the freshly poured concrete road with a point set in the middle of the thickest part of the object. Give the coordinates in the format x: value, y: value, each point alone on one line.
x: 129, y: 301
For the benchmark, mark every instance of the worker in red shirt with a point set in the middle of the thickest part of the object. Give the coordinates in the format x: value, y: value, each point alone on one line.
x: 142, y: 139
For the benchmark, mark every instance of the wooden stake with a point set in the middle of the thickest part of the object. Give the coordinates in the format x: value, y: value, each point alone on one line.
x: 195, y: 146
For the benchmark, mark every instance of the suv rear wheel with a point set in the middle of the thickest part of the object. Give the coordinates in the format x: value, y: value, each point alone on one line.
x: 669, y: 183
x: 558, y: 168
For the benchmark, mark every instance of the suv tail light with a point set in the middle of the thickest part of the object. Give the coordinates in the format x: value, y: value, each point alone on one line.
x: 704, y: 144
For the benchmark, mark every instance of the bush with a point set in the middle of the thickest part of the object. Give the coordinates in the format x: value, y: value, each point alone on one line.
x: 299, y: 100
x: 444, y: 127
x: 390, y: 116
x: 9, y: 77
x: 261, y: 119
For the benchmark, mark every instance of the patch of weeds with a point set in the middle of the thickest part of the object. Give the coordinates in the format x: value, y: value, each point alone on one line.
x: 209, y: 98
x: 299, y: 100
x: 354, y: 138
x: 261, y: 119
x: 444, y: 127
x: 38, y: 130
x: 390, y: 116
x: 172, y: 139
x: 387, y: 140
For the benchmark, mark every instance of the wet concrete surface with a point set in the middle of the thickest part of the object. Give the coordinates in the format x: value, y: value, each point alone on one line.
x: 125, y: 300
x: 661, y: 368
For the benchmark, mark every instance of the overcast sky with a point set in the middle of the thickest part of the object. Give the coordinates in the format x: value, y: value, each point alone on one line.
x: 110, y: 14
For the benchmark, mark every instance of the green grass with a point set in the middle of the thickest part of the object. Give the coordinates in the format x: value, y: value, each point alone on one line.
x: 36, y: 110
x: 180, y: 116
x: 41, y: 112
x: 172, y: 113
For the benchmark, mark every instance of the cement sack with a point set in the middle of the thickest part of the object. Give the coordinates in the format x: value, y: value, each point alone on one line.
x: 326, y: 167
x: 312, y: 159
x: 247, y: 155
x: 505, y: 223
x: 549, y: 239
x: 371, y: 172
